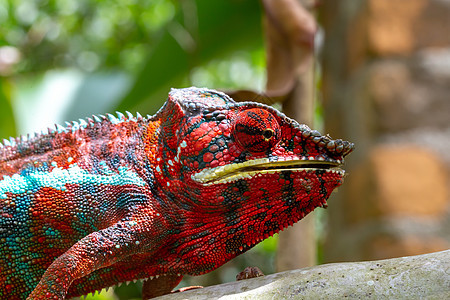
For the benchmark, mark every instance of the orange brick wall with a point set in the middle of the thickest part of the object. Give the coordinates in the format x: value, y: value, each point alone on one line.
x: 386, y: 79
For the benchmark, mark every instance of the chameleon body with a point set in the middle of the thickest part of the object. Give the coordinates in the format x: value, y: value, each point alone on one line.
x: 112, y: 199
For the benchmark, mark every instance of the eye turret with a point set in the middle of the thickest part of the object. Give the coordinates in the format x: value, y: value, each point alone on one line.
x: 256, y: 130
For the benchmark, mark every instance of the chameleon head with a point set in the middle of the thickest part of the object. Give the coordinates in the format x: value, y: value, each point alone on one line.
x: 245, y: 168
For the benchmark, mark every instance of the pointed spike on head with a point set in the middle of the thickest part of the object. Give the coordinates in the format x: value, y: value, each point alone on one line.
x: 60, y: 128
x: 96, y: 118
x: 83, y: 123
x: 120, y: 115
x: 13, y: 141
x: 75, y: 127
x: 112, y: 118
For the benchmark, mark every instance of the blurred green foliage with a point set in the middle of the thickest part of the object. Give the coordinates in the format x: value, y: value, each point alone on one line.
x: 154, y: 45
x: 195, y: 36
x: 86, y: 34
x: 7, y: 125
x: 138, y: 49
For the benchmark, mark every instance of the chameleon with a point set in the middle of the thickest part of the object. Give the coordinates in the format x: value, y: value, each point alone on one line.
x: 117, y: 198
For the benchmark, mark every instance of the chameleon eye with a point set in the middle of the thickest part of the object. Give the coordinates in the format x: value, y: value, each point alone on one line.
x: 256, y: 130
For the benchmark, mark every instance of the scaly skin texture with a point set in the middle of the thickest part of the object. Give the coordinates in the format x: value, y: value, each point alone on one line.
x: 114, y: 199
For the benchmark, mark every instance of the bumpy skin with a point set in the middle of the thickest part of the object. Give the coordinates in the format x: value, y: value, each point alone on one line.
x: 114, y: 199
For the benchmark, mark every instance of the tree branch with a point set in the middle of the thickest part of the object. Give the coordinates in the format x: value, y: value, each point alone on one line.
x: 413, y: 277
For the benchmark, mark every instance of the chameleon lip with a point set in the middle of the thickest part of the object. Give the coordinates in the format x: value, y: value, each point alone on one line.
x: 251, y: 168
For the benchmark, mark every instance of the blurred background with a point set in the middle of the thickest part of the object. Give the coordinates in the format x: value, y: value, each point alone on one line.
x: 377, y: 74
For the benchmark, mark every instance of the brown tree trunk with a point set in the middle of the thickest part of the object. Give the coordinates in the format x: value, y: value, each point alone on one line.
x: 290, y: 30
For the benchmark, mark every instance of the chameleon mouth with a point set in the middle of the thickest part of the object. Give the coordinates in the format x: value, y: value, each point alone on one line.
x: 252, y: 168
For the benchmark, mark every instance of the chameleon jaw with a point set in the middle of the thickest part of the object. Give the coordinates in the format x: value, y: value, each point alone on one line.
x: 252, y: 168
